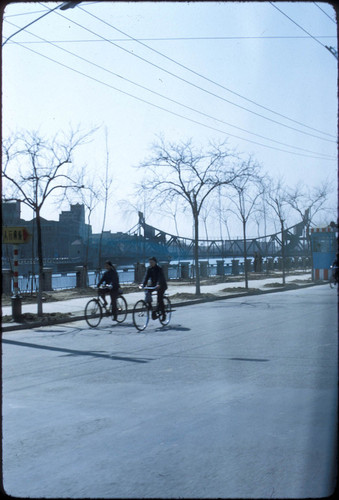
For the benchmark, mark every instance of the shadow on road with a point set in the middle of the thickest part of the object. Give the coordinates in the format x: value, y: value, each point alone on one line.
x: 73, y: 352
x: 176, y: 328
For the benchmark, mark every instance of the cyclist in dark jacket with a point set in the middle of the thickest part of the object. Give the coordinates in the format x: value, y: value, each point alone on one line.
x: 156, y: 276
x: 110, y: 277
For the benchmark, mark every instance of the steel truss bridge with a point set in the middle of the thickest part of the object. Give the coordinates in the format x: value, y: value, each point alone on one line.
x: 143, y: 241
x: 167, y: 246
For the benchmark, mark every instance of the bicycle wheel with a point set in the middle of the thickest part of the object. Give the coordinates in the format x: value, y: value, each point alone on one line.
x: 122, y: 309
x: 140, y: 315
x: 93, y: 313
x: 333, y: 282
x: 168, y: 312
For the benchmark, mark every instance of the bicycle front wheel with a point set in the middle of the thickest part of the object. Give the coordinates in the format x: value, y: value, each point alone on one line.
x: 122, y: 309
x: 168, y: 312
x: 140, y: 315
x: 93, y: 313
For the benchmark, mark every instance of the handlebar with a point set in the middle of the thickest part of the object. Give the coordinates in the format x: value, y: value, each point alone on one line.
x: 152, y: 288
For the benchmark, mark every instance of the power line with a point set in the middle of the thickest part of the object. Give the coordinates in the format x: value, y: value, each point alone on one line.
x: 29, y: 24
x: 24, y: 13
x: 314, y: 38
x: 198, y: 74
x: 333, y: 21
x: 190, y: 83
x: 182, y: 38
x: 165, y: 109
x: 202, y: 76
x: 333, y: 51
x: 173, y: 100
x: 63, y: 6
x: 186, y: 81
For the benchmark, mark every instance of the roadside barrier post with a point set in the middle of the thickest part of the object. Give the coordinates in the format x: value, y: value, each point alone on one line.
x: 235, y: 266
x: 6, y: 281
x: 220, y: 268
x: 203, y: 268
x: 139, y: 272
x: 184, y: 270
x: 47, y: 279
x: 164, y: 266
x: 81, y: 276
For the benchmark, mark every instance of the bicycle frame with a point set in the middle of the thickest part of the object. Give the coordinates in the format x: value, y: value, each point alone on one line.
x: 149, y: 290
x: 96, y: 308
x: 143, y: 308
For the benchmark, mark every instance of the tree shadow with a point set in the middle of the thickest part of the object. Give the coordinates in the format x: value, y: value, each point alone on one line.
x: 74, y: 352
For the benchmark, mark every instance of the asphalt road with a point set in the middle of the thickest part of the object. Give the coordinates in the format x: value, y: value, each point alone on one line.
x: 234, y: 399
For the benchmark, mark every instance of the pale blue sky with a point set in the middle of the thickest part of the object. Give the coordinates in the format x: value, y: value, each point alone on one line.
x: 262, y: 75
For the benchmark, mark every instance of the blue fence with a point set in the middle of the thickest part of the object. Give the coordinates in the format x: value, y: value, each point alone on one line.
x: 63, y: 281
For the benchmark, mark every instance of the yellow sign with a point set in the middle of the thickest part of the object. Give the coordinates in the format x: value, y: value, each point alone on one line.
x: 15, y: 235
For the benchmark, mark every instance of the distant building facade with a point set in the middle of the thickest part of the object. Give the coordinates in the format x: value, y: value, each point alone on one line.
x: 57, y: 236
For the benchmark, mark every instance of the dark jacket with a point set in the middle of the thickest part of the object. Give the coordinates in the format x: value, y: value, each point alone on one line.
x: 157, y: 277
x: 110, y: 278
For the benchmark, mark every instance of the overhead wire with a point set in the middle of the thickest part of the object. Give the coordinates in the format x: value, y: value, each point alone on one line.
x: 207, y: 79
x: 303, y: 29
x: 182, y: 38
x: 173, y: 100
x: 24, y: 13
x: 165, y: 109
x: 191, y: 83
x: 202, y: 76
x: 322, y: 10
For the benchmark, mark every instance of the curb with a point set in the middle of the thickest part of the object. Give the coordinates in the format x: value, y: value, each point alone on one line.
x: 51, y: 321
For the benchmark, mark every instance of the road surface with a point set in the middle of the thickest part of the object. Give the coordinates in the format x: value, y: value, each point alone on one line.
x: 234, y: 399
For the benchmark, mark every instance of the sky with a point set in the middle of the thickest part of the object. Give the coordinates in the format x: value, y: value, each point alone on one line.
x: 255, y: 73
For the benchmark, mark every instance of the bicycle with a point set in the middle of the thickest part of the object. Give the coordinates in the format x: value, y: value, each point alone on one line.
x: 95, y: 309
x: 143, y: 308
x: 333, y: 281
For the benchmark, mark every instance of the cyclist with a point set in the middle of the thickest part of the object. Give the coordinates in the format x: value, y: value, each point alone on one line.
x: 110, y: 277
x: 334, y: 267
x: 157, y: 278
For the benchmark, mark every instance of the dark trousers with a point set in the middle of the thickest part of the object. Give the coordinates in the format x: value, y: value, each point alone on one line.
x: 161, y: 304
x: 160, y: 295
x: 114, y: 295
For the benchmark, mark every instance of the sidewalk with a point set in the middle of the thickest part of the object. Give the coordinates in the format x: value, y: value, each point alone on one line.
x: 180, y: 294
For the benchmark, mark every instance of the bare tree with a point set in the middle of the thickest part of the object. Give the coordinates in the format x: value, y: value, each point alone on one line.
x: 260, y: 216
x: 249, y: 189
x: 106, y: 185
x: 34, y: 170
x: 276, y: 195
x: 90, y: 199
x: 308, y: 202
x: 190, y: 174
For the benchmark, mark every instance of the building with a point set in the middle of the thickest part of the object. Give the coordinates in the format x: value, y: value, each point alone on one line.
x: 57, y: 236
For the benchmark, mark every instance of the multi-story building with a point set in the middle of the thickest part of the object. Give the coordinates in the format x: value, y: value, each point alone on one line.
x: 57, y: 236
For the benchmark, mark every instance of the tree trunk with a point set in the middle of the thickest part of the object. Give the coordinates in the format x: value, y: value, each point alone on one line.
x: 283, y: 253
x: 196, y: 253
x: 245, y: 253
x: 41, y: 262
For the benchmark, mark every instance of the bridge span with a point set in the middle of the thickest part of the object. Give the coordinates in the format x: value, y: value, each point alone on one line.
x: 144, y: 240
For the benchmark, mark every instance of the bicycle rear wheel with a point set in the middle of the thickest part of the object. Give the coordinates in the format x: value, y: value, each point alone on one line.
x: 168, y: 312
x: 93, y: 313
x: 140, y: 315
x: 122, y: 309
x: 333, y: 282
